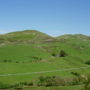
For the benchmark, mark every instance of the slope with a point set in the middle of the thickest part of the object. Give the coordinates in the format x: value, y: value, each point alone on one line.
x: 26, y: 36
x: 37, y: 57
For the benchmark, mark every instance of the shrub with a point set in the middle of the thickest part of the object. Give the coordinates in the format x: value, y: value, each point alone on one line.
x: 87, y: 62
x: 87, y: 84
x: 30, y: 84
x: 17, y: 61
x: 57, y: 81
x: 75, y: 73
x: 4, y: 86
x: 17, y: 86
x: 75, y: 81
x: 46, y: 81
x: 36, y: 58
x: 53, y: 54
x: 62, y: 53
x: 5, y: 60
x: 26, y: 83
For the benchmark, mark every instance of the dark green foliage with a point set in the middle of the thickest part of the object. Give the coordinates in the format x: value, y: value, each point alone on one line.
x: 53, y: 54
x: 5, y: 60
x: 4, y: 86
x: 87, y: 84
x: 26, y: 83
x: 36, y: 58
x: 75, y: 81
x: 49, y: 81
x: 57, y: 81
x: 17, y: 61
x: 17, y: 86
x: 62, y: 53
x: 46, y: 81
x: 75, y: 73
x: 87, y: 62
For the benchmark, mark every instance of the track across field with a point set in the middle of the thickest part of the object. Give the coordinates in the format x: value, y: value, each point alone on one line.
x: 28, y: 73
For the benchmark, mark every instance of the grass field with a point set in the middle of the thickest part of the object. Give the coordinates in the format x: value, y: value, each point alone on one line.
x: 19, y: 58
x: 36, y: 58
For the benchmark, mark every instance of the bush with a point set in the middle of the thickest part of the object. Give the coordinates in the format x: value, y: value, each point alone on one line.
x: 46, y: 81
x: 57, y: 81
x: 87, y: 62
x: 87, y: 84
x: 17, y: 61
x: 75, y: 73
x: 36, y: 58
x: 53, y: 54
x: 75, y: 81
x: 4, y: 86
x: 5, y: 60
x: 62, y: 53
x: 26, y: 83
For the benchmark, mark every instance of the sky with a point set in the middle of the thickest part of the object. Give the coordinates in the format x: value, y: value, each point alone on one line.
x: 54, y: 17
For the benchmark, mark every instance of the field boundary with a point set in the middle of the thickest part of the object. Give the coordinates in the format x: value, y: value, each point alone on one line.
x: 28, y: 73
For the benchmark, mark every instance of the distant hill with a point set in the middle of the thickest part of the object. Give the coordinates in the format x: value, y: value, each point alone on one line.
x: 26, y: 36
x: 34, y: 36
x: 78, y: 39
x: 74, y: 36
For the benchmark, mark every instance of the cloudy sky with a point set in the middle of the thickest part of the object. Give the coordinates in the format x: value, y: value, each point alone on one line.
x: 54, y: 17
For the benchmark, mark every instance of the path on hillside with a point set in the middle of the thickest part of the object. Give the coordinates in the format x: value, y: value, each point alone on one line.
x: 28, y: 73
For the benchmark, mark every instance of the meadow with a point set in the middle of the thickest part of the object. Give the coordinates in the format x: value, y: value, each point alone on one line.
x: 37, y: 58
x: 25, y: 62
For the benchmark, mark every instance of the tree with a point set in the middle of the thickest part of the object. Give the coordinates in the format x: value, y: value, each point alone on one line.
x: 62, y: 53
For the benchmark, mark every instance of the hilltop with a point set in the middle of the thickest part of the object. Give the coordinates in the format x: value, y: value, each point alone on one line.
x: 34, y: 36
x: 71, y: 37
x: 26, y: 36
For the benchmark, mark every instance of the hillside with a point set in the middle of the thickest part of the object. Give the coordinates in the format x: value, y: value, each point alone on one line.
x: 74, y: 38
x: 25, y: 45
x: 26, y: 36
x: 31, y: 51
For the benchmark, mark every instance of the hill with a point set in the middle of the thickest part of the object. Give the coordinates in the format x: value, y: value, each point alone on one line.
x: 26, y: 36
x: 74, y: 38
x: 31, y: 51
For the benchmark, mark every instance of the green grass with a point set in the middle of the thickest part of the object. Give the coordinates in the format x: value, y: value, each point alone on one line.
x: 26, y: 36
x: 13, y: 68
x: 20, y: 54
x: 23, y: 54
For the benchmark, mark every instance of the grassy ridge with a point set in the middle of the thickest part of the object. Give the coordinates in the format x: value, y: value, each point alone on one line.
x: 26, y: 36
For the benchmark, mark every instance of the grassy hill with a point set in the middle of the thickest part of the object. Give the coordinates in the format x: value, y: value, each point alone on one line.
x: 26, y: 36
x: 33, y: 51
x: 77, y: 39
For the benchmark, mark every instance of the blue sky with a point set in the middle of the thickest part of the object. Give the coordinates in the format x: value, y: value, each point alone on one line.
x: 54, y: 17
